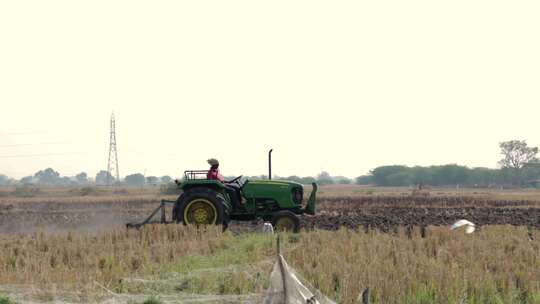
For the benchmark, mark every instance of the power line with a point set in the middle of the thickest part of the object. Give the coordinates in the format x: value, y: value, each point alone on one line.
x: 22, y: 133
x: 38, y: 155
x: 34, y: 144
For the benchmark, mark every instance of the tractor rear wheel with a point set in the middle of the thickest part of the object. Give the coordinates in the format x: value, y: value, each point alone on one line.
x: 286, y: 221
x: 200, y: 206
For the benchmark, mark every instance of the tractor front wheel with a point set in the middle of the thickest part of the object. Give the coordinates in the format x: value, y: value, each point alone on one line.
x: 286, y: 221
x: 200, y: 207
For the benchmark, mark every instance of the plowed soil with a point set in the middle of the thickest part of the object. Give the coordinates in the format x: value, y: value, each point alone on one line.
x: 92, y: 214
x: 385, y: 213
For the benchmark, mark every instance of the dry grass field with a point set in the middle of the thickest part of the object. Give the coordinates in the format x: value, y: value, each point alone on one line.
x: 70, y: 245
x: 497, y: 265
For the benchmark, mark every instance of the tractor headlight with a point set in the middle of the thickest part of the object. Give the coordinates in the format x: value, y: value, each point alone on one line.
x: 297, y: 195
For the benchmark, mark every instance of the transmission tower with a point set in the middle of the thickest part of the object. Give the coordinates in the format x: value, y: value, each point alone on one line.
x: 113, y: 155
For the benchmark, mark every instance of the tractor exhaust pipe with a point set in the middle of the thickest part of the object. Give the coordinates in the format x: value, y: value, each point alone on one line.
x: 270, y: 164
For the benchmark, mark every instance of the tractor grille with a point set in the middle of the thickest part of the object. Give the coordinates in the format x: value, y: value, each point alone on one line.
x: 297, y: 195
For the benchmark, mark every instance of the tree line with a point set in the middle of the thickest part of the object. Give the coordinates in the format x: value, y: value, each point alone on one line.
x: 50, y: 177
x: 519, y: 166
x: 450, y: 175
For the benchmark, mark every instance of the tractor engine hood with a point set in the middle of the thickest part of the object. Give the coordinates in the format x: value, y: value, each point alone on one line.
x: 283, y: 191
x: 270, y: 188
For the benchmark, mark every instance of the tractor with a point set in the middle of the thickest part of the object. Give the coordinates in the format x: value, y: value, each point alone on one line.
x: 207, y: 202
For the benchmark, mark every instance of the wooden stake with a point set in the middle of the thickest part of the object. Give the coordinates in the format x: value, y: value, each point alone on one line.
x: 365, y: 296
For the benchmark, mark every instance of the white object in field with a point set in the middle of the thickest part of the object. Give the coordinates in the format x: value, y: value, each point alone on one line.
x: 286, y: 287
x: 268, y: 228
x: 469, y: 226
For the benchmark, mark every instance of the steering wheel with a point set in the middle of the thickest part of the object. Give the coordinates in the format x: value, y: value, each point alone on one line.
x: 234, y: 180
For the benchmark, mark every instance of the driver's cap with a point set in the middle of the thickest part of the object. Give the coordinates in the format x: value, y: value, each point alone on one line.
x: 213, y: 162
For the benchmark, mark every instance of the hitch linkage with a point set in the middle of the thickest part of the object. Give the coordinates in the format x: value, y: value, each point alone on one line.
x: 163, y: 219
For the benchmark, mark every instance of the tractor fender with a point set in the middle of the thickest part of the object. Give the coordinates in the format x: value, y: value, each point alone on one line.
x: 177, y: 207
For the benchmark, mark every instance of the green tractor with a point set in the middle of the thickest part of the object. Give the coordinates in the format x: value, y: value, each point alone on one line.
x: 209, y: 202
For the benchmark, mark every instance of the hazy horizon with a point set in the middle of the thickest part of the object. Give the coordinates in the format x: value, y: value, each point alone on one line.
x: 341, y: 87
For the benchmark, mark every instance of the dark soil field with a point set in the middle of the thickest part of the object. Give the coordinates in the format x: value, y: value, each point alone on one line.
x: 335, y: 209
x: 384, y: 213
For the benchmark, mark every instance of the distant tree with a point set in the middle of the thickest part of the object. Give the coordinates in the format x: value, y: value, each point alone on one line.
x: 364, y: 180
x: 324, y: 178
x: 27, y: 180
x: 4, y: 180
x: 48, y: 176
x: 66, y: 181
x: 82, y: 178
x: 507, y: 176
x: 483, y: 177
x: 386, y: 176
x: 459, y: 174
x: 402, y: 178
x: 342, y: 180
x: 136, y: 179
x: 103, y: 176
x: 516, y: 155
x: 450, y: 175
x: 152, y: 180
x: 166, y: 179
x: 531, y: 173
x: 306, y: 180
x: 293, y: 178
x: 418, y: 176
x: 445, y: 175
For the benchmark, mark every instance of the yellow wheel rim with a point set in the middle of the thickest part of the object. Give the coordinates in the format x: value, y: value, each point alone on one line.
x: 284, y: 224
x: 200, y: 212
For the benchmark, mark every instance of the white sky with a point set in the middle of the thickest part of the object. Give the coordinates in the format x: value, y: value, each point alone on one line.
x: 341, y: 86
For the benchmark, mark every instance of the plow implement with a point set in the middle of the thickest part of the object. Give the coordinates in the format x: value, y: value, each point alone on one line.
x: 162, y: 216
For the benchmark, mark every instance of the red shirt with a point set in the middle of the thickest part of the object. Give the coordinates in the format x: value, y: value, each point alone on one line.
x: 214, y: 174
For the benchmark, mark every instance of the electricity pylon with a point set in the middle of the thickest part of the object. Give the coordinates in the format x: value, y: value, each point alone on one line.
x: 113, y: 155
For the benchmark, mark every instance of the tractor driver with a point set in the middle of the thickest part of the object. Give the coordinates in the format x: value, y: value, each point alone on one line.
x: 213, y: 173
x: 232, y: 190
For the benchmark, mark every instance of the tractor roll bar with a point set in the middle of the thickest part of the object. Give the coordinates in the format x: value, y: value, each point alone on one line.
x: 195, y: 174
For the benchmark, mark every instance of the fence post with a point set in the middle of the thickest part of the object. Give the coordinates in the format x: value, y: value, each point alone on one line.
x: 423, y: 231
x: 365, y: 296
x: 278, y: 245
x: 282, y: 270
x: 408, y: 231
x: 163, y: 217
